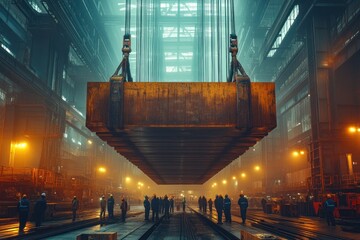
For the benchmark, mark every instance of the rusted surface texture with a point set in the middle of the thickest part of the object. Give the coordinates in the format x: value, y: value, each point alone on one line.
x: 263, y: 105
x: 97, y: 106
x: 182, y: 133
x: 179, y: 104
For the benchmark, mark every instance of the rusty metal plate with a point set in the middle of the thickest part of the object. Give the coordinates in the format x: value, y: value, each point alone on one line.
x: 182, y: 133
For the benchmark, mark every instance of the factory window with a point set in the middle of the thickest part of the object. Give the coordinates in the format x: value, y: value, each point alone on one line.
x: 183, y: 32
x: 2, y: 95
x: 171, y: 69
x: 170, y: 56
x: 37, y: 6
x: 186, y: 9
x: 298, y: 118
x: 73, y: 141
x: 284, y: 30
x: 187, y: 55
x: 7, y: 49
x: 192, y: 41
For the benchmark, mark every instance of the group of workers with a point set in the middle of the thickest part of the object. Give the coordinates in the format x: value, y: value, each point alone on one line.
x: 109, y: 204
x: 158, y: 205
x: 23, y: 207
x: 223, y: 205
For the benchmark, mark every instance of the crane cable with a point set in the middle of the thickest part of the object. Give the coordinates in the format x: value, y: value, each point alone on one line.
x: 232, y: 16
x: 126, y: 50
x: 127, y: 16
x: 235, y: 65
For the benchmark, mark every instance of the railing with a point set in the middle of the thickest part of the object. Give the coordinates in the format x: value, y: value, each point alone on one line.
x: 344, y: 180
x: 34, y: 175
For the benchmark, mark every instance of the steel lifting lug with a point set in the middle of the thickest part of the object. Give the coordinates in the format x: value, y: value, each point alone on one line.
x: 240, y: 78
x: 117, y: 78
x: 126, y: 44
x: 233, y: 44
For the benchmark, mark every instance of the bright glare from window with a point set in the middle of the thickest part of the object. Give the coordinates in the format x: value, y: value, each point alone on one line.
x: 35, y: 5
x: 7, y: 50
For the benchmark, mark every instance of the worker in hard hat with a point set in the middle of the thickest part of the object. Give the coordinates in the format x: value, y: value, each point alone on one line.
x: 102, y: 209
x: 329, y: 206
x: 39, y: 209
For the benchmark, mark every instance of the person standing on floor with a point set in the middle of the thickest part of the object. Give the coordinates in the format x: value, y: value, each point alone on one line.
x: 210, y: 202
x: 110, y: 206
x: 204, y: 204
x: 243, y: 203
x: 74, y: 207
x: 184, y: 204
x: 123, y: 207
x: 329, y: 206
x: 172, y: 204
x: 200, y: 203
x: 39, y: 209
x: 147, y: 208
x: 166, y: 204
x: 219, y: 205
x: 155, y: 208
x: 263, y: 204
x: 227, y: 209
x: 102, y: 209
x: 23, y: 207
x: 161, y: 205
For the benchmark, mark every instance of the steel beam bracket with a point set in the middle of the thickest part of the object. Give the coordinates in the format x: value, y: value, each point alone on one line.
x: 243, y: 102
x: 116, y: 104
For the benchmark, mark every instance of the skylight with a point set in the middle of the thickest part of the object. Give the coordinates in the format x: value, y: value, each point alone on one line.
x: 284, y: 30
x: 37, y: 6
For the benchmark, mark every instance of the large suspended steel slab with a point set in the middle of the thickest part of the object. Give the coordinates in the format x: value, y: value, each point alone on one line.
x: 181, y: 133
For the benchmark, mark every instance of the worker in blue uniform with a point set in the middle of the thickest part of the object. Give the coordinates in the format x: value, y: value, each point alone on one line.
x: 155, y: 208
x: 23, y: 207
x: 219, y: 205
x: 39, y: 210
x: 123, y: 208
x: 329, y: 206
x: 110, y: 206
x: 227, y: 209
x: 147, y: 208
x: 243, y: 203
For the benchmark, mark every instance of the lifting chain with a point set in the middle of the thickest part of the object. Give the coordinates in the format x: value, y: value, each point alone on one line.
x: 236, y: 71
x: 124, y: 66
